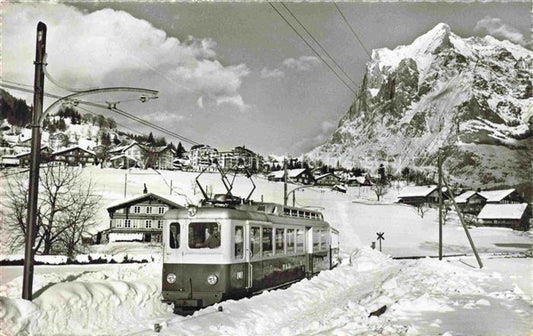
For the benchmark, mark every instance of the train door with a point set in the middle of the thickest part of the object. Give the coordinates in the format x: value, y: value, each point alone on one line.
x: 309, y: 250
x: 254, y: 271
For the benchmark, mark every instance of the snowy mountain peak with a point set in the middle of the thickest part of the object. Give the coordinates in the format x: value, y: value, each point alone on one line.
x: 442, y: 89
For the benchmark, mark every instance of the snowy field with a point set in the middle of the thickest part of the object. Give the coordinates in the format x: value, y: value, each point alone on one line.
x: 423, y: 297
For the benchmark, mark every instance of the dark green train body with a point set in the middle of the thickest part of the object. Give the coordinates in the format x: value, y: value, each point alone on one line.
x: 214, y: 253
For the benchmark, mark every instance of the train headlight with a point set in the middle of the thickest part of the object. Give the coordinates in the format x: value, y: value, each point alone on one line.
x: 171, y: 278
x: 212, y: 279
x: 192, y: 210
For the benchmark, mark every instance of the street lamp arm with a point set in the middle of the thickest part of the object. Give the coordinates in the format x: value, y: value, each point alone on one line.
x: 96, y: 91
x: 298, y: 188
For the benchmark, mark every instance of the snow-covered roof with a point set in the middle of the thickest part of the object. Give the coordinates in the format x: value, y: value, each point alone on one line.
x: 496, y: 195
x: 171, y: 199
x: 64, y: 150
x: 290, y: 173
x: 325, y: 175
x: 464, y: 197
x: 502, y: 211
x: 417, y: 191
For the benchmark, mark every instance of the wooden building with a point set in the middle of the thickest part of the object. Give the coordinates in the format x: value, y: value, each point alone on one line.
x: 419, y: 195
x: 470, y: 202
x: 515, y: 216
x: 328, y: 179
x: 504, y: 196
x: 74, y: 156
x: 139, y: 218
x: 301, y: 175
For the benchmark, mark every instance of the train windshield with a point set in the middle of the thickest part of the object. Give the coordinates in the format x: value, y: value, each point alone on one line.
x: 204, y: 235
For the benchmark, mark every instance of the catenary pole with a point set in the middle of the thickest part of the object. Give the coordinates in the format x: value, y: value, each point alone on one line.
x: 439, y: 163
x: 38, y: 95
x: 464, y: 225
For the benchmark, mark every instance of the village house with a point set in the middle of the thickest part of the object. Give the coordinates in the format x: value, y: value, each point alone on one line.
x: 514, y: 215
x: 359, y: 181
x: 328, y: 179
x: 301, y: 175
x: 58, y: 140
x: 74, y: 156
x: 418, y: 195
x: 142, y: 156
x: 25, y: 158
x: 505, y: 196
x: 470, y: 202
x: 140, y: 218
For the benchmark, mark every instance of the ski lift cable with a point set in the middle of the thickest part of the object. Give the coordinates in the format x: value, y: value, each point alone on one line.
x: 311, y: 47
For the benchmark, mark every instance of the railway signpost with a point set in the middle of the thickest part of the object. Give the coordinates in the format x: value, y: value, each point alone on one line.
x: 380, y: 238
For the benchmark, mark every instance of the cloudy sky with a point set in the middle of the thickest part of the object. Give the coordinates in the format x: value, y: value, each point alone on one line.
x: 231, y: 74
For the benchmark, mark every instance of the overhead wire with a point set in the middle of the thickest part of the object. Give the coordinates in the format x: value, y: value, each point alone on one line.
x: 318, y: 43
x: 313, y: 49
x: 353, y: 31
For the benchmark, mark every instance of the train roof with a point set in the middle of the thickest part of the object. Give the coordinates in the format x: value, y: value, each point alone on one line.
x: 265, y: 212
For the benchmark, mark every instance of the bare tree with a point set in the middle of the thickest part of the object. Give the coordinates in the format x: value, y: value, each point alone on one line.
x: 379, y: 189
x: 66, y: 209
x: 421, y: 210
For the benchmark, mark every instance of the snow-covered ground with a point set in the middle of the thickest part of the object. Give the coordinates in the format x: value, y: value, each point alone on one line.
x: 423, y: 297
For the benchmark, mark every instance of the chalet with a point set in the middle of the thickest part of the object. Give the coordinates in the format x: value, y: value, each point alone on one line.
x: 301, y: 175
x: 140, y: 218
x: 74, y: 156
x: 515, y: 216
x: 124, y: 161
x: 359, y: 181
x: 328, y: 179
x: 9, y: 161
x: 418, y: 195
x: 506, y: 196
x: 161, y: 157
x: 142, y: 156
x: 134, y: 151
x: 470, y: 202
x: 25, y: 158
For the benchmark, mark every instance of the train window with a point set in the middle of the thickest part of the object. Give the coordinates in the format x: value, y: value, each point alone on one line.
x: 267, y: 242
x: 294, y: 213
x: 286, y: 211
x: 239, y: 238
x: 255, y: 240
x: 290, y: 240
x: 174, y: 235
x: 204, y: 235
x: 307, y: 214
x: 280, y: 239
x: 300, y: 237
x: 316, y: 240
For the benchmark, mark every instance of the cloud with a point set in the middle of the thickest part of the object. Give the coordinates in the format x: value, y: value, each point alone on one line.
x: 303, y: 63
x: 274, y: 73
x: 308, y: 143
x: 497, y: 28
x: 109, y: 48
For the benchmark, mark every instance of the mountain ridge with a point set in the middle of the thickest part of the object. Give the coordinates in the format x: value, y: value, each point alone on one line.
x: 472, y: 96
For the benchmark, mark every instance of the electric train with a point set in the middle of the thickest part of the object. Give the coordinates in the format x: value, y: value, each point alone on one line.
x: 229, y: 248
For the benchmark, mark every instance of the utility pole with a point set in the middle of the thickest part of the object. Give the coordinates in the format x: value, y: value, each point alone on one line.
x: 464, y: 225
x: 285, y: 196
x: 439, y: 164
x: 38, y: 95
x: 125, y: 183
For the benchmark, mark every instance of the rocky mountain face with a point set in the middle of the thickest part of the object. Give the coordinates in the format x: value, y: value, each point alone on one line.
x: 472, y: 97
